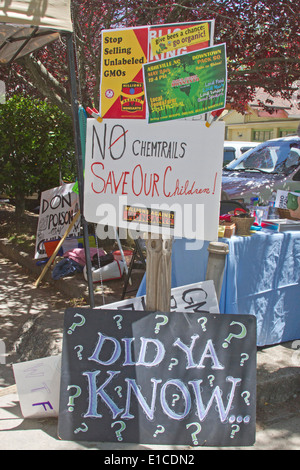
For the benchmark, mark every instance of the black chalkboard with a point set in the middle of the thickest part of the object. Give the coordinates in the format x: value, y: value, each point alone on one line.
x: 158, y: 378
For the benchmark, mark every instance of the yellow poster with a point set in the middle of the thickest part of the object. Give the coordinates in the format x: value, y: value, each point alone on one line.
x: 189, y: 36
x: 124, y: 51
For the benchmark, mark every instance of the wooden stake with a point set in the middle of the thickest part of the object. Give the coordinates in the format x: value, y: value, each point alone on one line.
x: 158, y: 274
x: 57, y: 249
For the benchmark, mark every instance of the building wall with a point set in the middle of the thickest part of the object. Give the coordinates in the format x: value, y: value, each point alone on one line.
x: 258, y: 125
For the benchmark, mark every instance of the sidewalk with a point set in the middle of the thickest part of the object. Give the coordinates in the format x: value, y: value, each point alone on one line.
x: 31, y: 326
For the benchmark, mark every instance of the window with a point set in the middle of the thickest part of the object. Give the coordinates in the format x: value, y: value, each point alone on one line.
x: 262, y: 136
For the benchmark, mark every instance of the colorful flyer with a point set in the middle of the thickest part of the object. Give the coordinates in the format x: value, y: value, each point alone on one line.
x: 181, y: 38
x: 186, y: 85
x: 124, y: 51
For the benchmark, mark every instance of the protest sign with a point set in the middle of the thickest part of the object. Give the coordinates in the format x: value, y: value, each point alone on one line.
x: 38, y: 383
x: 188, y: 85
x: 158, y: 378
x: 124, y: 51
x: 170, y: 40
x: 197, y: 297
x: 161, y: 178
x: 57, y: 209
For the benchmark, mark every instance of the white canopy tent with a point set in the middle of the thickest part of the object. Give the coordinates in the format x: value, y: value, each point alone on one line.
x: 28, y: 25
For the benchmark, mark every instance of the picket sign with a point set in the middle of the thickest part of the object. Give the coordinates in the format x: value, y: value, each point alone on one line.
x: 57, y: 249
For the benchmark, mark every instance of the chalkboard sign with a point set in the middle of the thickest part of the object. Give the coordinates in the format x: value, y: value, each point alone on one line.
x: 158, y: 378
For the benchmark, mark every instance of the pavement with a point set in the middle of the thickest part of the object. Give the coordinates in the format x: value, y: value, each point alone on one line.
x: 31, y: 327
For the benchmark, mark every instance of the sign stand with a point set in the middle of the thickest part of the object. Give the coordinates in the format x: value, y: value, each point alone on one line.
x: 158, y: 273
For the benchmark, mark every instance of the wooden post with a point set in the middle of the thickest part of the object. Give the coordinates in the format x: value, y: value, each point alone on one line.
x: 158, y: 273
x: 216, y: 264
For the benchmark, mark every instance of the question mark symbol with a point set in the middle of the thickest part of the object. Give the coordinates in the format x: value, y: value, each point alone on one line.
x: 244, y: 358
x: 211, y: 378
x: 72, y: 397
x: 164, y: 322
x: 74, y: 325
x: 173, y: 363
x: 194, y: 434
x: 120, y: 318
x: 159, y: 431
x: 235, y: 428
x: 246, y: 396
x: 241, y: 335
x: 175, y: 397
x: 118, y: 389
x: 120, y: 430
x: 79, y: 355
x: 203, y: 323
x: 84, y: 429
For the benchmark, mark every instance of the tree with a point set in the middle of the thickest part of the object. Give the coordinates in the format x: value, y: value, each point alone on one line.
x: 262, y: 38
x: 36, y: 143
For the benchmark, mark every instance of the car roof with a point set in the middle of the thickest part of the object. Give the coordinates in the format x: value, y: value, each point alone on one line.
x: 241, y: 143
x: 284, y: 139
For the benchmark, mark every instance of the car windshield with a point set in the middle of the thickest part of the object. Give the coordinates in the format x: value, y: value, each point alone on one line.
x: 280, y: 156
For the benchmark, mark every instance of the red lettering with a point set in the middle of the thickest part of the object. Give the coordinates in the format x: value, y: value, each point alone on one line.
x: 156, y: 179
x: 133, y: 178
x: 92, y: 169
x: 164, y: 181
x: 124, y: 182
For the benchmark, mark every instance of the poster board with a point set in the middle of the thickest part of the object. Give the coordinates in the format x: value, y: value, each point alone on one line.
x: 57, y: 209
x: 161, y: 178
x: 199, y: 297
x: 125, y: 51
x: 188, y: 85
x: 38, y: 383
x: 162, y: 378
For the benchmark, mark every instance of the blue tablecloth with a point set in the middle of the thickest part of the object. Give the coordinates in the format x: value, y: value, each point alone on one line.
x: 262, y: 278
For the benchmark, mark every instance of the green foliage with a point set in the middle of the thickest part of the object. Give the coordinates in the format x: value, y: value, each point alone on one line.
x: 36, y: 142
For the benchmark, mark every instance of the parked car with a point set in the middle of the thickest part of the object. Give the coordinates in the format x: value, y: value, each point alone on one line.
x: 272, y: 165
x: 234, y: 149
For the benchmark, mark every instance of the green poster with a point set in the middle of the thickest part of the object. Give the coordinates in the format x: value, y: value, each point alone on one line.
x: 186, y: 85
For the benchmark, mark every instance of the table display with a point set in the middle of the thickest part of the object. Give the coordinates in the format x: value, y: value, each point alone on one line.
x: 262, y: 278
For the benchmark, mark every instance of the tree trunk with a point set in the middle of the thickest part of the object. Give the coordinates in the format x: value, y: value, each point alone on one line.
x: 20, y: 206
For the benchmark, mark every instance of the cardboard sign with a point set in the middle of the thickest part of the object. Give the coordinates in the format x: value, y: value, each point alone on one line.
x: 158, y: 378
x: 57, y: 209
x: 163, y: 178
x: 191, y: 84
x: 38, y: 383
x: 199, y: 297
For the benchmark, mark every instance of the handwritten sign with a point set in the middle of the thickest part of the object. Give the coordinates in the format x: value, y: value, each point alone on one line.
x: 188, y: 85
x: 158, y: 378
x: 198, y: 297
x: 38, y: 384
x: 57, y: 209
x: 163, y: 178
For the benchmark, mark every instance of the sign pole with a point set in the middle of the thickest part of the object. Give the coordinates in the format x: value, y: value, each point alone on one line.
x: 158, y: 273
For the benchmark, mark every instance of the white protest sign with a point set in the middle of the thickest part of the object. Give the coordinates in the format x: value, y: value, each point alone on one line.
x: 198, y: 297
x: 158, y: 178
x: 57, y: 209
x: 38, y: 385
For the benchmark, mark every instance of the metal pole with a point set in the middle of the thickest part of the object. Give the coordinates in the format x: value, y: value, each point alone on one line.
x: 78, y: 153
